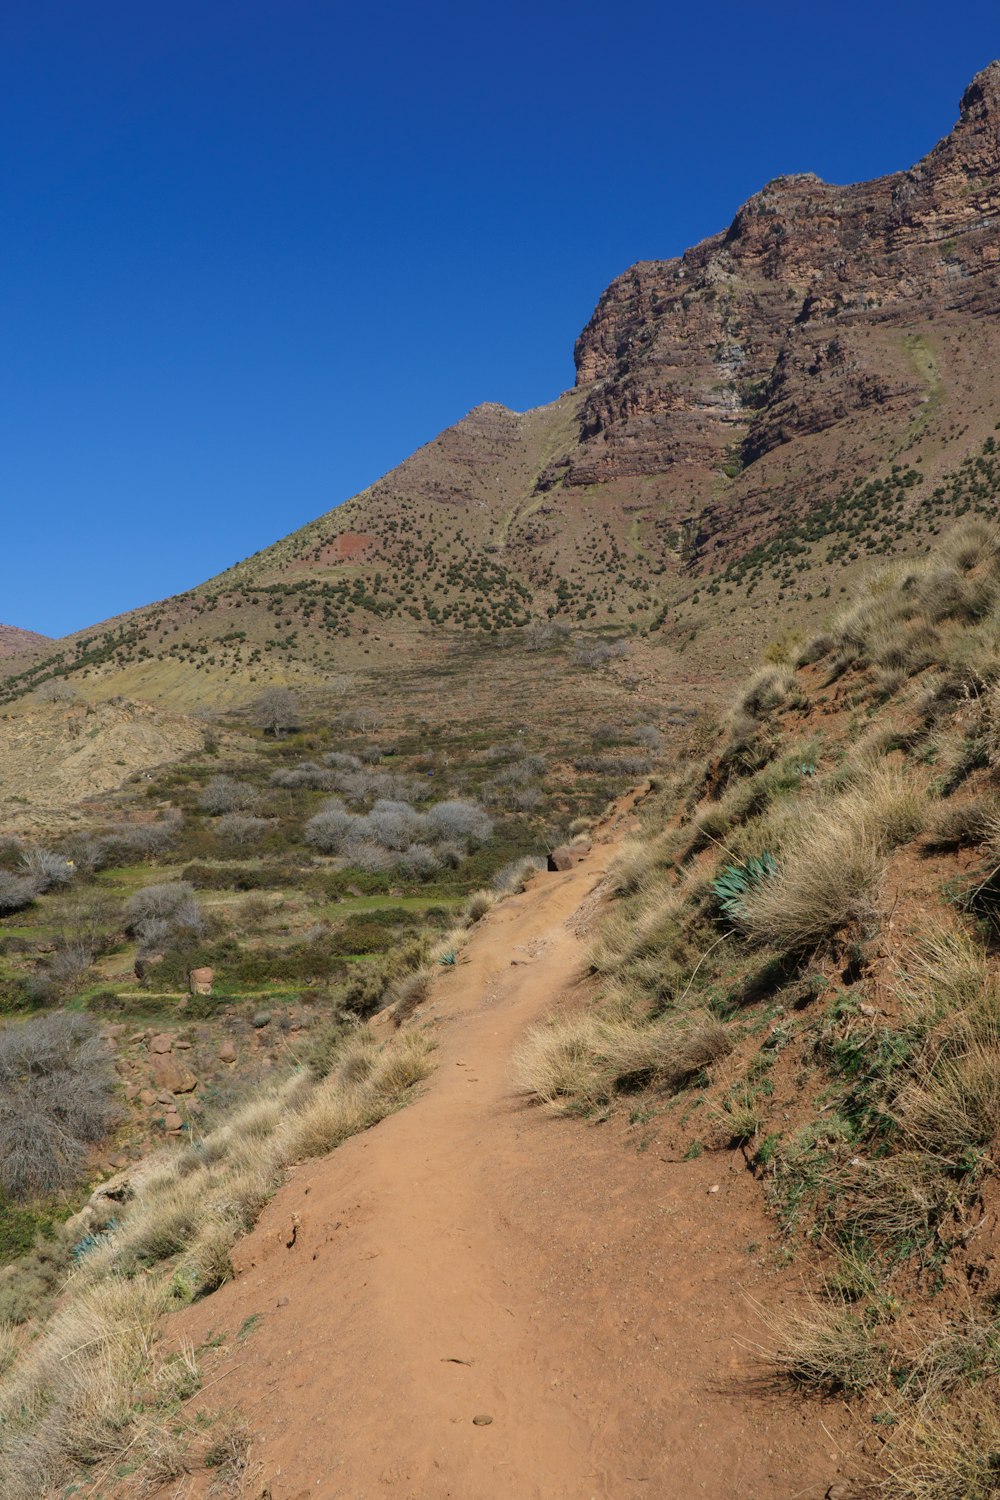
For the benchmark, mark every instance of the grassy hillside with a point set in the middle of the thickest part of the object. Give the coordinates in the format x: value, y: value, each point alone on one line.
x: 801, y: 964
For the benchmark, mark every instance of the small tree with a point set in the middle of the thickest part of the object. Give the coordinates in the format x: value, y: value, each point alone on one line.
x: 275, y: 711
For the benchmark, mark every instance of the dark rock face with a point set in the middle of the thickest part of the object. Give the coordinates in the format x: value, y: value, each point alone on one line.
x: 769, y: 330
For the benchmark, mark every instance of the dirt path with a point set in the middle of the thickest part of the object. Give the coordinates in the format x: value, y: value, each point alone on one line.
x: 471, y: 1256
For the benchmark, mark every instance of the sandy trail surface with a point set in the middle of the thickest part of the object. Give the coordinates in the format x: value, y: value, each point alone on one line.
x: 473, y: 1257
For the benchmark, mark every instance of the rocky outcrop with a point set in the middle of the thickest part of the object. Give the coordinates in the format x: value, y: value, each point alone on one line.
x: 765, y: 332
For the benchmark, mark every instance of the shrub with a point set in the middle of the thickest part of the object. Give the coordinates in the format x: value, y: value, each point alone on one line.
x: 419, y: 861
x: 16, y: 892
x: 136, y: 841
x: 56, y: 1098
x: 225, y: 795
x: 333, y: 829
x: 395, y: 825
x: 459, y: 822
x: 308, y: 775
x: 241, y: 829
x: 648, y: 736
x: 47, y: 870
x: 159, y: 911
x: 599, y: 653
x: 341, y: 761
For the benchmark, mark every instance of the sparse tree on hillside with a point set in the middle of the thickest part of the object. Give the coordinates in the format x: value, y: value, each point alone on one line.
x: 276, y: 711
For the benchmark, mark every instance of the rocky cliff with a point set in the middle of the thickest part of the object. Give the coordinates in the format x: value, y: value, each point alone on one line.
x: 764, y: 332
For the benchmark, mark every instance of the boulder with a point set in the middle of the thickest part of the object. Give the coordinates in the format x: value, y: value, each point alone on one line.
x: 161, y: 1043
x: 568, y: 855
x: 227, y: 1051
x: 170, y: 1073
x: 200, y: 981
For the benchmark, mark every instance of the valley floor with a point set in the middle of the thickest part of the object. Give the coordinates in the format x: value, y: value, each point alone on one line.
x: 474, y: 1257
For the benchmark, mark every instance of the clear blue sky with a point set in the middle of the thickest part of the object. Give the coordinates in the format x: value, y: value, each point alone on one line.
x: 255, y: 252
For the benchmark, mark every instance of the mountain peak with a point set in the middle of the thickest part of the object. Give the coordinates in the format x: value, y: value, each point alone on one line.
x: 981, y: 99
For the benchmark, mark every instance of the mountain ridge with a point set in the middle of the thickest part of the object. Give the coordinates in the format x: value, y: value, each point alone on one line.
x: 740, y: 413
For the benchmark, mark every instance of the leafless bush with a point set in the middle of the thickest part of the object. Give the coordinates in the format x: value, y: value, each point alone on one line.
x: 392, y: 785
x: 148, y: 840
x: 47, y: 869
x: 333, y: 830
x: 306, y: 774
x: 223, y: 794
x: 68, y: 964
x: 241, y: 829
x: 173, y: 904
x: 648, y: 736
x: 395, y: 825
x: 342, y: 761
x: 494, y: 753
x: 16, y: 892
x: 394, y: 835
x: 459, y: 822
x: 599, y: 653
x: 56, y: 1098
x: 419, y: 861
x: 612, y: 765
x: 545, y: 635
x: 523, y: 771
x: 372, y: 859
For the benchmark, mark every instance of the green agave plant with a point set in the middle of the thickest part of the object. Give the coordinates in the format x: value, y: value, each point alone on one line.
x: 736, y: 882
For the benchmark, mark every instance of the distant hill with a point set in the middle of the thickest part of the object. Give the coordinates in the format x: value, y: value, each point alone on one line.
x: 752, y: 422
x: 22, y: 643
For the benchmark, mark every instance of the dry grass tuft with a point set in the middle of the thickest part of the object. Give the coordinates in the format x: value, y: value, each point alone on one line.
x: 956, y: 825
x: 946, y: 971
x: 950, y: 1452
x: 896, y: 1201
x: 833, y: 862
x: 952, y: 1106
x: 583, y: 1061
x: 409, y: 993
x: 826, y: 1348
x: 479, y: 903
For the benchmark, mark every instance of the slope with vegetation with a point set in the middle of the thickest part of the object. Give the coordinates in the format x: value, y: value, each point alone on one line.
x: 800, y: 963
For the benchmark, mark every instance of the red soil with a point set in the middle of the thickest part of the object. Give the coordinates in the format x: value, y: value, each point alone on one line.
x: 472, y: 1256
